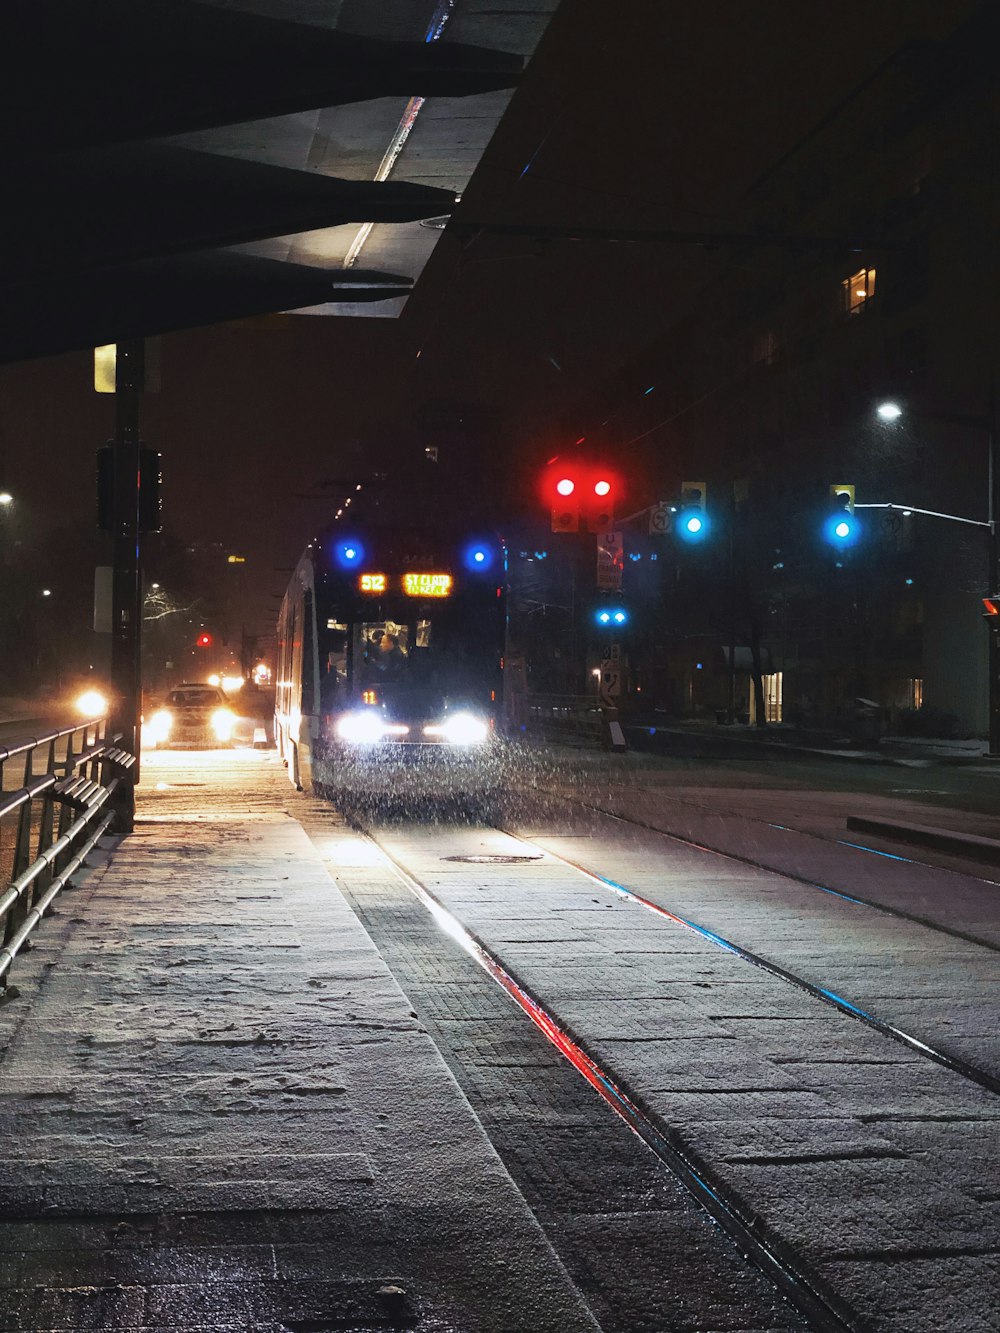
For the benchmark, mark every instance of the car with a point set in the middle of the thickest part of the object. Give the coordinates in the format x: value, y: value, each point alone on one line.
x: 191, y: 714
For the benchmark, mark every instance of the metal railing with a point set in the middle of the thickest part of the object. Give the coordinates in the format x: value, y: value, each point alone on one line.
x: 573, y: 718
x: 56, y: 799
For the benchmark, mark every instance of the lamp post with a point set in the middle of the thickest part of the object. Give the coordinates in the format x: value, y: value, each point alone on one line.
x: 891, y: 411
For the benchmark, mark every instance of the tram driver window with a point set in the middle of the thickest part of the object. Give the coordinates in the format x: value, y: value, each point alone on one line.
x: 385, y: 647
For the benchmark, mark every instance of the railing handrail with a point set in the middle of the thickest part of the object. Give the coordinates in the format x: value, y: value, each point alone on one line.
x: 64, y: 801
x: 21, y: 746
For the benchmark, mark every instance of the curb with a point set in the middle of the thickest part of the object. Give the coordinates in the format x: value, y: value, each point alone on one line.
x: 972, y: 845
x: 774, y: 747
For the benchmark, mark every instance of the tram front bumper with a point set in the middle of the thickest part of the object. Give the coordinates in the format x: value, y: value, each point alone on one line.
x: 412, y: 770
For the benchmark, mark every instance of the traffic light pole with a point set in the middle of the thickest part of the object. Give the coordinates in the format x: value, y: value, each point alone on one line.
x: 994, y: 578
x: 126, y: 603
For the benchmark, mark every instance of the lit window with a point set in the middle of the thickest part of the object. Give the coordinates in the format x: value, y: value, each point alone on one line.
x: 858, y: 290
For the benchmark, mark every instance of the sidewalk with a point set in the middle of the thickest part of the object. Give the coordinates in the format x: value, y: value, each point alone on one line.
x: 778, y: 739
x: 221, y: 1113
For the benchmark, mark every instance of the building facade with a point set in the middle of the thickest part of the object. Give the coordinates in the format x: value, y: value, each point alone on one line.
x: 869, y: 275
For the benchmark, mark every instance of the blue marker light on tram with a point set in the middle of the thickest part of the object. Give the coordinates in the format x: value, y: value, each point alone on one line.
x: 479, y: 556
x: 349, y: 554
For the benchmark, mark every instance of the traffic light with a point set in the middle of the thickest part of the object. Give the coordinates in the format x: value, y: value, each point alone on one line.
x: 581, y: 493
x: 991, y: 613
x: 612, y: 616
x: 565, y: 503
x: 841, y: 527
x: 599, y: 504
x: 691, y: 522
x: 204, y: 640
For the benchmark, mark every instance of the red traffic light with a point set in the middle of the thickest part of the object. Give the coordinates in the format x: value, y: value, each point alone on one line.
x: 580, y: 492
x: 204, y: 640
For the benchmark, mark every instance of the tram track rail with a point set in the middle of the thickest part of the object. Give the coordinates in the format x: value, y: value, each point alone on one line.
x: 826, y: 995
x: 821, y: 1309
x: 757, y: 863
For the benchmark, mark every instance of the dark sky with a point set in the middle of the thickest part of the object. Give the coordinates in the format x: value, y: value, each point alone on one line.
x: 633, y: 114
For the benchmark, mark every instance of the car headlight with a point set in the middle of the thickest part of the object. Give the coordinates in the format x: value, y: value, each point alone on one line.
x: 362, y: 728
x: 158, y: 726
x: 91, y: 703
x: 464, y: 729
x: 223, y: 722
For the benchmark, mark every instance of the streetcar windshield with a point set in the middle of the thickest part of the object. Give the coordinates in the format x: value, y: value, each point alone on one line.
x: 416, y: 666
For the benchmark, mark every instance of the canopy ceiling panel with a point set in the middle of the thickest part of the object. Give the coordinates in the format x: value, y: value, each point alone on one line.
x: 373, y: 93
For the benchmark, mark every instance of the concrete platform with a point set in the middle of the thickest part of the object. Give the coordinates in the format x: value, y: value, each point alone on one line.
x: 220, y: 1111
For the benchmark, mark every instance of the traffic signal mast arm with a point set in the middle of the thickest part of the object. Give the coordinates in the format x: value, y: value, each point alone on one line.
x: 931, y: 513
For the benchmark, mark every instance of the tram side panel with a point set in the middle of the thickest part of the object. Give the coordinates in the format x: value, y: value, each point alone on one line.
x: 296, y: 713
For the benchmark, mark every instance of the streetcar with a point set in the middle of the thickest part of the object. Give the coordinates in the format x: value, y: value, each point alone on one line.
x: 390, y: 663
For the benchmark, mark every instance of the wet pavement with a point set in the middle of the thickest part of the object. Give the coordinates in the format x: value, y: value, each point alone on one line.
x: 250, y: 1083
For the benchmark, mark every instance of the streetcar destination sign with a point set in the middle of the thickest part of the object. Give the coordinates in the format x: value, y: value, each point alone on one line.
x: 427, y: 585
x: 413, y: 585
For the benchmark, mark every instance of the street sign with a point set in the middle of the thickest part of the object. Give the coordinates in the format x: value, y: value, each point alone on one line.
x: 661, y: 519
x: 610, y: 560
x: 611, y: 675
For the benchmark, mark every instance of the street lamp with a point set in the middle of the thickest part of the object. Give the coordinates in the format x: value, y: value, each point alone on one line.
x: 6, y: 498
x: 890, y: 411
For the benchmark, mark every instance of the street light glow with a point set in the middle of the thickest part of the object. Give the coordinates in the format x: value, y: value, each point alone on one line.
x: 6, y: 498
x: 889, y: 411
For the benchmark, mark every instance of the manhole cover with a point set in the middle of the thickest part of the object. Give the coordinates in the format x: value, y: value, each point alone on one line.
x: 484, y: 860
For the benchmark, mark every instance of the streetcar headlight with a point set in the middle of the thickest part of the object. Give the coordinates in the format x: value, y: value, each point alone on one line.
x: 223, y: 722
x: 464, y: 729
x: 158, y: 727
x: 364, y: 727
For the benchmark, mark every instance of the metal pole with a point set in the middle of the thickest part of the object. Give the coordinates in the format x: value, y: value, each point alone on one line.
x: 993, y: 584
x: 731, y: 710
x: 126, y: 603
